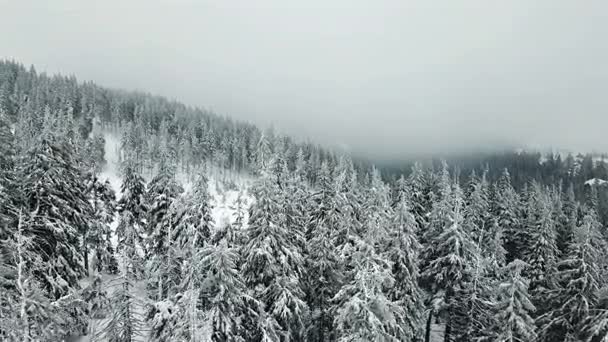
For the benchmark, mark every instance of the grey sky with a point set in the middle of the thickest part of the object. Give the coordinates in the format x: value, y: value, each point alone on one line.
x: 384, y: 78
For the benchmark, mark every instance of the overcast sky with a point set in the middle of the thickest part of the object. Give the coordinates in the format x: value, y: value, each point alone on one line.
x: 383, y: 78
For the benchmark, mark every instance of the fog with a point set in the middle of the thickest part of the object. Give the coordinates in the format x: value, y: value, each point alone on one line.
x: 385, y: 79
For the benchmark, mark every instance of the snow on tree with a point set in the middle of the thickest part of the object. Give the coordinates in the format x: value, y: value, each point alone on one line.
x: 232, y: 232
x: 452, y: 255
x: 124, y: 323
x: 196, y: 215
x: 506, y: 211
x: 163, y: 190
x: 272, y: 264
x: 540, y: 246
x: 132, y: 211
x: 323, y: 263
x: 55, y: 192
x: 363, y: 311
x: 568, y: 222
x: 7, y: 176
x: 26, y: 313
x: 403, y: 252
x: 421, y: 195
x: 579, y: 279
x: 98, y: 236
x: 476, y: 213
x: 513, y: 309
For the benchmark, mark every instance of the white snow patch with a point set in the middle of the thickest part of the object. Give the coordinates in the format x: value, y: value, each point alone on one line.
x: 596, y: 181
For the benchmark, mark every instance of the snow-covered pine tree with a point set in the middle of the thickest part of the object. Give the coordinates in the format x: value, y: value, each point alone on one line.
x: 163, y: 191
x: 566, y: 227
x: 180, y: 316
x: 449, y: 265
x: 505, y: 209
x: 55, y: 193
x: 196, y: 215
x: 596, y: 325
x: 377, y: 211
x: 579, y: 279
x: 477, y: 210
x: 26, y: 313
x: 440, y: 215
x: 98, y: 237
x: 403, y: 251
x: 125, y: 323
x: 323, y: 264
x: 132, y: 211
x: 514, y: 307
x: 363, y: 311
x: 8, y: 189
x: 272, y: 264
x: 421, y: 185
x: 540, y: 246
x: 224, y: 292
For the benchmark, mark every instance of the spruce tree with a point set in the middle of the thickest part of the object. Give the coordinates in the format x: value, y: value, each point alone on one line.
x: 448, y: 270
x: 363, y: 310
x: 55, y: 193
x: 26, y: 313
x: 403, y: 252
x: 514, y: 307
x: 272, y: 264
x: 8, y: 188
x: 98, y: 237
x: 323, y: 264
x: 506, y: 211
x: 540, y: 245
x: 125, y: 322
x: 132, y: 211
x: 579, y: 279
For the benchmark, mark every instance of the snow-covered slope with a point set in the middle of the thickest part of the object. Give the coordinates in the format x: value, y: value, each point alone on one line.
x: 224, y: 191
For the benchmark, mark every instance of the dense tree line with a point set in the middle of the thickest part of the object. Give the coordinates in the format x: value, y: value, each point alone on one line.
x: 327, y: 251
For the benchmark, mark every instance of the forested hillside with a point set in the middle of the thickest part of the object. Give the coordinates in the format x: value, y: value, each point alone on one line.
x: 318, y: 248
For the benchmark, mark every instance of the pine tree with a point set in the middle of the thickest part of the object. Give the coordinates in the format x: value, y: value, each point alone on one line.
x: 421, y: 195
x: 54, y: 191
x: 567, y: 225
x: 363, y: 310
x: 26, y: 313
x: 125, y: 323
x: 98, y: 237
x: 449, y: 268
x: 505, y: 210
x: 540, y: 248
x: 578, y: 284
x: 8, y: 197
x: 476, y: 213
x: 323, y: 264
x: 514, y: 307
x: 272, y: 264
x: 403, y: 252
x: 132, y: 211
x: 196, y: 214
x: 163, y: 191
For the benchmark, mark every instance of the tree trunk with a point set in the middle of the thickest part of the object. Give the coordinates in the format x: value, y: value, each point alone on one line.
x: 86, y: 255
x: 448, y: 329
x: 429, y: 323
